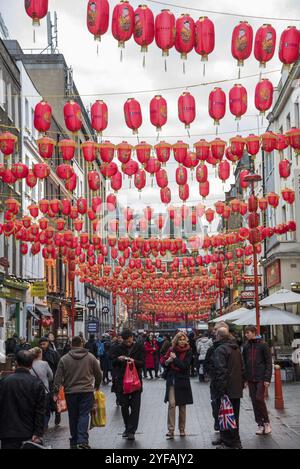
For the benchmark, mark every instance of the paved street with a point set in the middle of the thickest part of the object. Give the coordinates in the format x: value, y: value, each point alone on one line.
x: 152, y: 429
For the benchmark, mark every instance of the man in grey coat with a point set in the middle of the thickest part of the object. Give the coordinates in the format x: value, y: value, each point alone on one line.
x: 80, y: 374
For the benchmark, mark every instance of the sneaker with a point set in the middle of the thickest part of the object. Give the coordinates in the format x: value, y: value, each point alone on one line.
x: 261, y: 430
x: 125, y: 435
x: 182, y: 434
x: 84, y: 446
x: 130, y: 437
x: 57, y: 419
x: 216, y: 442
x: 170, y: 436
x: 268, y: 429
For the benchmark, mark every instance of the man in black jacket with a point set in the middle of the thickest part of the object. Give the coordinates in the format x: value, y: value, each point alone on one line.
x: 229, y: 381
x: 128, y: 351
x: 52, y: 358
x: 258, y: 363
x: 22, y: 405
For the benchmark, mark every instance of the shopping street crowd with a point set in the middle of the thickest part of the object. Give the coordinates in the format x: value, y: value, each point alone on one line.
x: 228, y: 363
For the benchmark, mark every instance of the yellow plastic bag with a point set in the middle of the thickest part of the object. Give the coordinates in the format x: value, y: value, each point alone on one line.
x: 99, y: 411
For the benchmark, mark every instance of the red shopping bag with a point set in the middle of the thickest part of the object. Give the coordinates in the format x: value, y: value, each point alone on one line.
x: 131, y: 381
x: 61, y: 403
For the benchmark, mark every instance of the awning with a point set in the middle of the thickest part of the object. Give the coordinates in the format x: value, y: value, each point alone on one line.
x: 233, y: 316
x: 32, y: 310
x: 281, y: 297
x: 269, y: 317
x: 43, y: 311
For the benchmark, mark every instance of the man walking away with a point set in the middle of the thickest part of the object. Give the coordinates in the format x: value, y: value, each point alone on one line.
x: 228, y: 364
x: 258, y: 364
x: 128, y: 351
x: 91, y: 345
x: 22, y: 405
x: 80, y: 374
x: 52, y: 358
x: 203, y: 345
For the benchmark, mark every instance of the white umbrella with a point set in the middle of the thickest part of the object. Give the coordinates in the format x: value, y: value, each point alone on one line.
x: 281, y: 297
x: 269, y: 317
x: 237, y: 314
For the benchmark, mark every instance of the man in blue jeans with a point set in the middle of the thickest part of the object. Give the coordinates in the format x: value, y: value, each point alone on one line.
x: 80, y: 374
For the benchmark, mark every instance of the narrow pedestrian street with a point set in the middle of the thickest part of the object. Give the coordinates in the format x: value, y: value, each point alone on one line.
x: 152, y: 428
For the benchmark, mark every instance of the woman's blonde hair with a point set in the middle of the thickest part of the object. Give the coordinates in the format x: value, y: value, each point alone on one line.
x: 36, y: 352
x: 177, y: 337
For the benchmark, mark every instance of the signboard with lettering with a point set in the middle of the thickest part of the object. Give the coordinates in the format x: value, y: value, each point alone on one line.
x: 249, y: 280
x: 93, y: 327
x: 105, y: 310
x: 38, y: 289
x: 92, y: 304
x: 248, y: 295
x: 274, y: 274
x: 79, y: 314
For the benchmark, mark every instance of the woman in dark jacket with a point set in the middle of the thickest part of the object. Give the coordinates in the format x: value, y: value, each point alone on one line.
x: 177, y: 362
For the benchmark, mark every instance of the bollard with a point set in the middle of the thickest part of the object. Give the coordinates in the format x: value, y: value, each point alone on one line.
x: 279, y: 403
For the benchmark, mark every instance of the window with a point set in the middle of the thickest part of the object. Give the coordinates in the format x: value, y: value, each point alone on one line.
x: 297, y: 115
x: 27, y: 123
x: 9, y: 102
x: 32, y: 123
x: 16, y: 110
x: 288, y: 126
x: 2, y: 89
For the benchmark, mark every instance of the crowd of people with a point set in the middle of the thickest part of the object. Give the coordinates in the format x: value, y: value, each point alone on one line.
x: 30, y: 395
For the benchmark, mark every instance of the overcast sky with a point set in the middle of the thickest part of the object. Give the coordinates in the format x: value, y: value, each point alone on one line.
x: 96, y: 74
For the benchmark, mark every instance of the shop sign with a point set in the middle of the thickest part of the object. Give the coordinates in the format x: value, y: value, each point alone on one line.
x: 93, y: 327
x: 105, y: 310
x: 295, y: 287
x: 79, y: 314
x: 11, y: 294
x: 274, y: 274
x: 92, y: 304
x: 249, y: 280
x: 10, y: 283
x: 38, y: 289
x: 248, y: 295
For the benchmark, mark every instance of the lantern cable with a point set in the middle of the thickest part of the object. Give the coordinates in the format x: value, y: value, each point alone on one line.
x: 214, y: 12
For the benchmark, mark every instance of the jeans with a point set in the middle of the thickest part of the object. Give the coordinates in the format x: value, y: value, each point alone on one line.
x: 131, y: 402
x: 80, y: 406
x: 257, y: 395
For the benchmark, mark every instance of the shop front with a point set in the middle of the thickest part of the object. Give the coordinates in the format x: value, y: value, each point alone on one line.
x: 12, y: 299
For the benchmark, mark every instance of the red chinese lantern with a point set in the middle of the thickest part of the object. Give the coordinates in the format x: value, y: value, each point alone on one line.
x: 284, y: 169
x: 288, y: 196
x: 31, y: 180
x: 243, y: 208
x: 143, y: 152
x: 184, y: 192
x: 224, y: 170
x: 202, y: 174
x: 71, y: 183
x: 108, y: 170
x: 204, y: 37
x: 282, y: 142
x: 263, y: 204
x: 165, y: 31
x: 36, y: 9
x: 242, y: 42
x: 73, y: 116
x: 7, y: 143
x: 94, y: 180
x: 42, y: 116
x: 89, y: 151
x: 130, y: 168
x: 235, y: 205
x: 268, y: 142
x: 98, y: 18
x: 265, y: 44
x: 181, y: 176
x: 133, y: 114
x: 289, y: 46
x: 140, y: 179
x: 19, y: 170
x: 158, y: 112
x: 41, y: 170
x: 67, y: 149
x: 202, y: 150
x: 253, y: 144
x: 180, y: 150
x: 162, y: 178
x: 210, y: 215
x: 186, y: 109
x: 218, y: 147
x: 64, y: 171
x: 116, y: 181
x: 185, y: 35
x: 124, y: 152
x: 99, y: 116
x: 46, y: 147
x: 253, y: 220
x: 107, y: 151
x: 165, y: 195
x: 294, y: 138
x: 123, y: 22
x: 264, y: 96
x: 152, y: 166
x: 143, y: 27
x: 217, y: 105
x: 204, y: 189
x: 237, y: 146
x: 82, y: 206
x: 244, y: 184
x: 163, y: 152
x: 273, y: 199
x: 238, y: 101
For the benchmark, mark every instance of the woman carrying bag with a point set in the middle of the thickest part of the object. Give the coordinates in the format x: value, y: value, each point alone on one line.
x: 177, y: 364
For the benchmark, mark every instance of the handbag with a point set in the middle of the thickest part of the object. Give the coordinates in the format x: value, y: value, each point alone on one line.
x: 61, y: 403
x: 131, y: 381
x: 227, y: 420
x: 98, y: 417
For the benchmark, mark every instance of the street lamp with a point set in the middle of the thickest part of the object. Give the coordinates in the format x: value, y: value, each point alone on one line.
x: 253, y: 179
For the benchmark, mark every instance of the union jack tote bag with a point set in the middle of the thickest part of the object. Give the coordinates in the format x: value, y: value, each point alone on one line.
x: 226, y: 415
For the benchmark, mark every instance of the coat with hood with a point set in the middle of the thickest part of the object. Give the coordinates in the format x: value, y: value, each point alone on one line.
x: 203, y: 345
x: 228, y: 370
x: 258, y: 361
x: 79, y: 372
